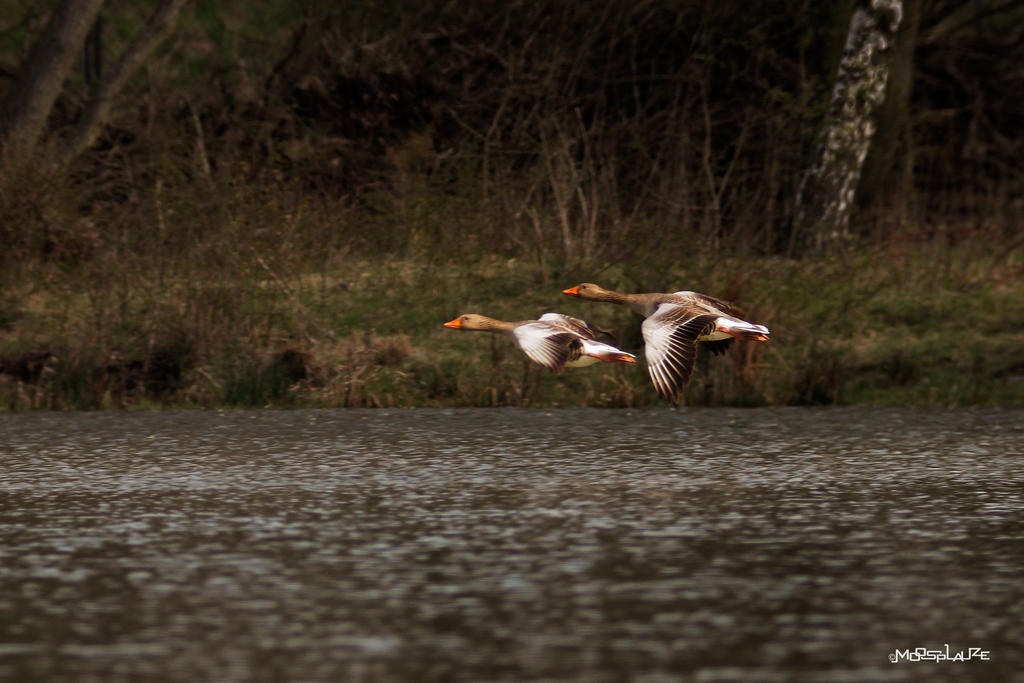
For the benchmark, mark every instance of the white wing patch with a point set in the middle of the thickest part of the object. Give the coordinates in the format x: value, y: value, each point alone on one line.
x: 543, y: 344
x: 556, y: 318
x: 670, y: 346
x: 556, y: 341
x: 574, y: 325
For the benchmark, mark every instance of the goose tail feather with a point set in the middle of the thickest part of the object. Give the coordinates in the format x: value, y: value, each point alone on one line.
x: 741, y: 329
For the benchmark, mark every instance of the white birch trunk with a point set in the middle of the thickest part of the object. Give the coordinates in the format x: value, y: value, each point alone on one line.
x: 827, y: 190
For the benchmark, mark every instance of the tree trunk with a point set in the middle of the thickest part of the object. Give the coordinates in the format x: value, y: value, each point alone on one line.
x: 101, y: 96
x: 40, y: 78
x: 887, y: 176
x: 47, y: 65
x: 827, y: 189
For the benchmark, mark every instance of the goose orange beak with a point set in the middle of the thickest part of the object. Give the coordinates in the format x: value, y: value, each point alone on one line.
x: 572, y: 291
x: 454, y: 324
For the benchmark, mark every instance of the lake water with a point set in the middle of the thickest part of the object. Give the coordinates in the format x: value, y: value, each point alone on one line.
x: 508, y: 544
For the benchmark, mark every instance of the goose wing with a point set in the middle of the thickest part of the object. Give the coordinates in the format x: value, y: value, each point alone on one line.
x: 547, y: 345
x: 670, y: 345
x: 718, y: 346
x: 711, y: 303
x: 580, y: 327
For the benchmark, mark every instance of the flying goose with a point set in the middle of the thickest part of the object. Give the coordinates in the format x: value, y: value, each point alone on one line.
x: 555, y: 341
x: 673, y: 324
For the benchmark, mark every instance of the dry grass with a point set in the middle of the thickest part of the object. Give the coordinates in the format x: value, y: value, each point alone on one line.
x: 260, y: 308
x: 293, y: 228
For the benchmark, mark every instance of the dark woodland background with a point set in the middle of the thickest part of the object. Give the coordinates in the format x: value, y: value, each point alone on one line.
x: 287, y: 199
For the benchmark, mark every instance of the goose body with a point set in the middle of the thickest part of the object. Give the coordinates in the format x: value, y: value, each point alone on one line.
x: 554, y: 340
x: 673, y: 324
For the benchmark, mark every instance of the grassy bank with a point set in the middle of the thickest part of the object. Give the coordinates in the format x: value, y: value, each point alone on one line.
x: 284, y: 208
x: 284, y: 302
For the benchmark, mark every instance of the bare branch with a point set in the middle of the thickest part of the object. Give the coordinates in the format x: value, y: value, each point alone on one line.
x: 966, y: 15
x: 87, y: 127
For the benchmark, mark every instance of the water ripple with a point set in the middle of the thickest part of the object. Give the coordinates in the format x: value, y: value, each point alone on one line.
x: 782, y: 544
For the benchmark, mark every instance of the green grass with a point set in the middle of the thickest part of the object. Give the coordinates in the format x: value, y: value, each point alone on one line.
x: 283, y: 302
x: 367, y: 182
x: 276, y: 328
